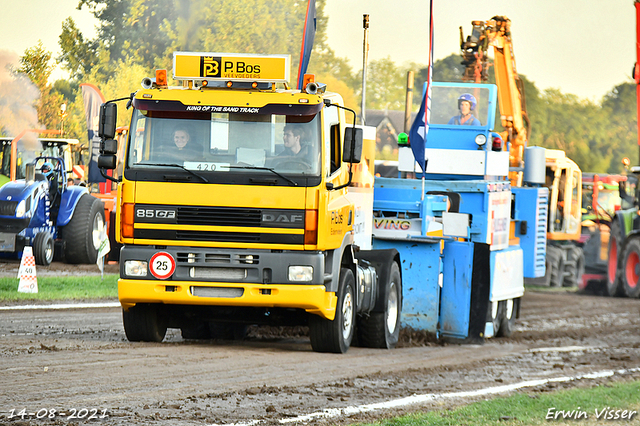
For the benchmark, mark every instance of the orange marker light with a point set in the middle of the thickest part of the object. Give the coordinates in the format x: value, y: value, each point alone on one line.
x: 311, y: 227
x: 161, y: 77
x: 254, y: 84
x: 308, y: 78
x: 127, y: 221
x: 229, y: 84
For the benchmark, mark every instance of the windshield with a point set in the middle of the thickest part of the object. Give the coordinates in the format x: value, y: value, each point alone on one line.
x: 459, y: 105
x: 224, y: 142
x: 26, y: 150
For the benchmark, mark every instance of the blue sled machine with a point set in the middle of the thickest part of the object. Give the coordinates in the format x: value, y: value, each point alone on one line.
x: 466, y: 235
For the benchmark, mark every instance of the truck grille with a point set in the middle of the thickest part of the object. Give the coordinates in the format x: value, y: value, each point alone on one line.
x: 8, y: 208
x: 215, y: 216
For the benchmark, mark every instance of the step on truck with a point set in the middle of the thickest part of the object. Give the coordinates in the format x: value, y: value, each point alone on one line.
x: 244, y: 202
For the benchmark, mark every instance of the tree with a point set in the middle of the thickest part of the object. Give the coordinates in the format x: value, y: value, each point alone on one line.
x: 620, y: 106
x: 386, y: 84
x: 78, y: 55
x: 36, y: 64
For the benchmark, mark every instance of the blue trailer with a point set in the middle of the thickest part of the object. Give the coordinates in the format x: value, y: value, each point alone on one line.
x: 466, y: 234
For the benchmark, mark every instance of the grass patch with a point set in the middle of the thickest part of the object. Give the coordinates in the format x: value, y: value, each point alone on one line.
x: 533, y: 408
x: 62, y: 288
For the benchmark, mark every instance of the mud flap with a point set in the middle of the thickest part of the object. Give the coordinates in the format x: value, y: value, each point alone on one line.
x: 465, y: 291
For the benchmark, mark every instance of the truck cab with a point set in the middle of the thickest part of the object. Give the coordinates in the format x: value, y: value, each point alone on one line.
x: 244, y: 202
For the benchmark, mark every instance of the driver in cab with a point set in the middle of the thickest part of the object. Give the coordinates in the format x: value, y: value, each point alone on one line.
x: 294, y: 145
x: 466, y: 104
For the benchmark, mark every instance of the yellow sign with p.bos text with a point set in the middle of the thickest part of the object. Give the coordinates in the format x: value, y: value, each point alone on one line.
x: 230, y: 66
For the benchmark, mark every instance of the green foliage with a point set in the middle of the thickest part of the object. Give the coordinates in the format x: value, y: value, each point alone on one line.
x: 36, y: 64
x: 78, y: 55
x: 386, y: 85
x: 63, y: 288
x: 532, y: 408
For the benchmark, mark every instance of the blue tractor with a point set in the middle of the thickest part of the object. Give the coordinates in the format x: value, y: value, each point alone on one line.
x: 41, y: 211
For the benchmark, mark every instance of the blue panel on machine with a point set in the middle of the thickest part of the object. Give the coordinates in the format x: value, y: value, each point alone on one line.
x: 456, y: 289
x: 420, y: 289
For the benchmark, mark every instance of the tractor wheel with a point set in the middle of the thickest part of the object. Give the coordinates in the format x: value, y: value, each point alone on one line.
x: 43, y: 248
x: 336, y: 335
x: 614, y: 264
x: 631, y: 269
x: 382, y: 329
x: 574, y: 267
x: 554, y: 266
x: 143, y: 323
x: 508, y: 318
x: 82, y: 233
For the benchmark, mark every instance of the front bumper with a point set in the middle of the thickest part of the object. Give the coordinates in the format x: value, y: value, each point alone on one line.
x: 252, y: 278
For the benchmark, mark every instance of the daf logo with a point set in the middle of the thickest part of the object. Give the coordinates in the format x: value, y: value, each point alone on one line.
x: 282, y: 218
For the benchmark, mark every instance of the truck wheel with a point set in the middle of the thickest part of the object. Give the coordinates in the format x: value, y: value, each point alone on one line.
x: 142, y: 323
x: 555, y: 266
x: 82, y: 233
x: 382, y: 329
x: 508, y: 318
x: 614, y: 286
x: 631, y: 269
x: 335, y: 336
x: 574, y: 267
x: 43, y: 248
x: 494, y: 314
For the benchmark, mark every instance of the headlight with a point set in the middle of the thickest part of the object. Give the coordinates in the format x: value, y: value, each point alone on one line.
x: 135, y: 268
x: 300, y: 273
x: 21, y: 209
x: 481, y: 140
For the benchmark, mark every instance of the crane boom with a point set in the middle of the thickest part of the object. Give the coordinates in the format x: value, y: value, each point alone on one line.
x: 496, y: 32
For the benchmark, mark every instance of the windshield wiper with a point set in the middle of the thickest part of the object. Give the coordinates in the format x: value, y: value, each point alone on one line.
x: 205, y: 180
x: 265, y: 168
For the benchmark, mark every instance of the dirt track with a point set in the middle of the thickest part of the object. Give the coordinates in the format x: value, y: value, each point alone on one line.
x: 73, y: 359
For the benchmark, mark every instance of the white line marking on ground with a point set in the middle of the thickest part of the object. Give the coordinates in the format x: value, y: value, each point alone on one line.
x: 419, y: 399
x: 61, y: 306
x: 562, y: 349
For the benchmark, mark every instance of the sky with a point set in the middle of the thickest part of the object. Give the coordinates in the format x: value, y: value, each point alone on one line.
x: 582, y: 47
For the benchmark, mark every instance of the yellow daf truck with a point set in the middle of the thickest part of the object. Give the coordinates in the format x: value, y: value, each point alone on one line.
x: 245, y: 202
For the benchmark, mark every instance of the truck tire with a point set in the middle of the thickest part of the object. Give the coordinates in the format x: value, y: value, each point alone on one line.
x: 82, y: 233
x: 494, y: 315
x: 614, y: 264
x: 335, y: 335
x: 631, y: 269
x: 43, y: 248
x: 555, y: 266
x: 573, y: 267
x: 508, y: 318
x: 382, y: 329
x: 142, y: 323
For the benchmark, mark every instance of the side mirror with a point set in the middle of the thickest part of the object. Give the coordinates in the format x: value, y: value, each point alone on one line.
x: 352, y: 152
x: 107, y: 162
x: 107, y: 123
x: 109, y: 146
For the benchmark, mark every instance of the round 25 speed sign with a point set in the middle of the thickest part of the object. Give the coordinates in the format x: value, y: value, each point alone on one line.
x: 163, y: 265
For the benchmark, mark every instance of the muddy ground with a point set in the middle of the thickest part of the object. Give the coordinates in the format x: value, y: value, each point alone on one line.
x: 73, y: 359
